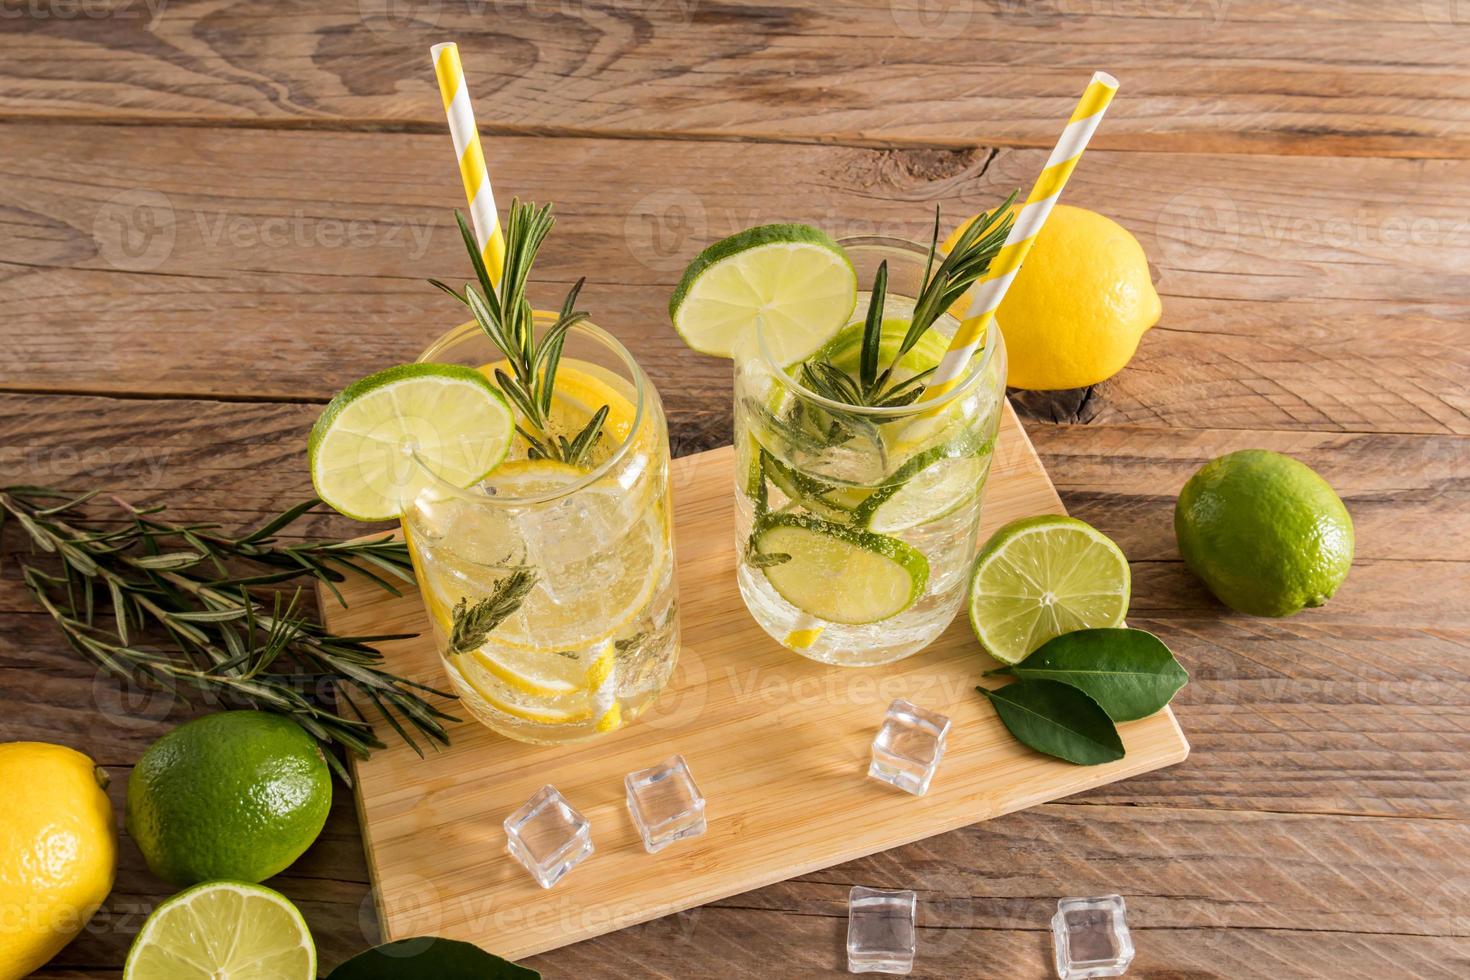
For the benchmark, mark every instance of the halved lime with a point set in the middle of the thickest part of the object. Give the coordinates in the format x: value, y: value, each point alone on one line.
x: 838, y: 573
x: 223, y: 929
x: 369, y: 449
x: 1040, y: 577
x: 793, y: 277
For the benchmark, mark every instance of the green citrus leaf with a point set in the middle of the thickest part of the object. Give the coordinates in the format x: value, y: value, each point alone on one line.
x: 1057, y: 720
x: 429, y: 958
x: 1129, y: 672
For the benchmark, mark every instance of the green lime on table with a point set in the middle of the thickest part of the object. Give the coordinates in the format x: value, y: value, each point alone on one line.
x: 1267, y: 535
x: 793, y: 277
x: 385, y: 437
x: 1040, y: 577
x: 839, y: 573
x: 223, y: 929
x: 236, y: 795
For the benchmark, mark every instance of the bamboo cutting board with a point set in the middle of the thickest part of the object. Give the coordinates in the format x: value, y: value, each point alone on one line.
x: 778, y: 745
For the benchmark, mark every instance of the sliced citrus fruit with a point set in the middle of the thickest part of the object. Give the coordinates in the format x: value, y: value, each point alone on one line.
x: 793, y: 278
x: 830, y: 501
x: 845, y: 350
x: 223, y: 929
x: 1040, y: 577
x: 927, y: 487
x: 386, y: 437
x: 839, y: 573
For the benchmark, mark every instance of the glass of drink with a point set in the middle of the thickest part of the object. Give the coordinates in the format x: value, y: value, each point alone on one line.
x: 587, y: 549
x: 856, y: 526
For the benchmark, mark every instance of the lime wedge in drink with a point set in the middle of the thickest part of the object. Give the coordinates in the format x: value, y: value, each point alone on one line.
x: 845, y: 350
x: 1040, y: 577
x: 830, y: 501
x: 223, y: 929
x: 838, y: 573
x: 369, y: 449
x: 927, y: 487
x: 793, y: 277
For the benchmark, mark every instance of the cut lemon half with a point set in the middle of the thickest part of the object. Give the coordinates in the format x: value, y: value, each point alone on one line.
x: 223, y: 930
x: 1040, y: 577
x: 839, y: 573
x: 794, y: 278
x: 388, y: 436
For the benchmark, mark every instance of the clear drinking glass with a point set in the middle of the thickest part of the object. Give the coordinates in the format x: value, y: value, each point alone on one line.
x: 597, y: 636
x: 853, y: 481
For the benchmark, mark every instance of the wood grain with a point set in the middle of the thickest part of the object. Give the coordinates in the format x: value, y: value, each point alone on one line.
x: 791, y: 798
x: 1296, y: 296
x: 1315, y: 297
x: 1208, y: 75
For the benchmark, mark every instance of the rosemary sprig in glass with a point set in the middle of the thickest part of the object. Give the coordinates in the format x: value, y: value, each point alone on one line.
x: 504, y: 313
x: 186, y: 607
x: 874, y: 386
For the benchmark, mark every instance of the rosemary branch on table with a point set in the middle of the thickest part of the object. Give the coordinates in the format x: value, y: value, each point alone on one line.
x: 504, y: 314
x: 187, y: 606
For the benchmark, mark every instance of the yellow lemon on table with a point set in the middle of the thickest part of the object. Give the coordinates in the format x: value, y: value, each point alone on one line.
x: 58, y: 851
x: 1080, y: 304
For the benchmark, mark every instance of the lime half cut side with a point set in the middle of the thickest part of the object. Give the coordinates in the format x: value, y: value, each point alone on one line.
x: 223, y: 929
x: 794, y: 278
x: 386, y: 437
x: 1040, y: 577
x: 839, y: 573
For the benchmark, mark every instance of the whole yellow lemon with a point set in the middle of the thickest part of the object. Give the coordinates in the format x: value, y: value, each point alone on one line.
x: 58, y: 851
x: 1078, y: 307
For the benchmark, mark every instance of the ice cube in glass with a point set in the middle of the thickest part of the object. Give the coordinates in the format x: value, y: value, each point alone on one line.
x: 1091, y: 938
x: 665, y: 804
x: 908, y: 747
x: 880, y: 930
x: 548, y: 836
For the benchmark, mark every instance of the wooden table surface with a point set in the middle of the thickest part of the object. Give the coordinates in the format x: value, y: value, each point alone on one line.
x: 214, y: 214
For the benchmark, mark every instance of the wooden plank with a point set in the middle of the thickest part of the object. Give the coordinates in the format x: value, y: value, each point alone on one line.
x: 1297, y: 295
x: 793, y: 799
x: 1248, y: 75
x: 1209, y: 894
x: 1302, y: 715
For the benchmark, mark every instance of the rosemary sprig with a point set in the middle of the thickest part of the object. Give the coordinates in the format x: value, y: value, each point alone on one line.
x: 472, y: 624
x: 187, y: 607
x: 504, y: 313
x: 956, y: 272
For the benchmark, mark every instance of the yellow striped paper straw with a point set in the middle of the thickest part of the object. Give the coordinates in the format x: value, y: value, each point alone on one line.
x: 991, y: 288
x: 471, y: 156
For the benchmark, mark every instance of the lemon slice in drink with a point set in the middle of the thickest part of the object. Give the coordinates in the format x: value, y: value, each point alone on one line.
x: 543, y: 674
x: 839, y: 573
x: 223, y: 929
x: 793, y: 277
x: 370, y: 446
x: 1040, y: 577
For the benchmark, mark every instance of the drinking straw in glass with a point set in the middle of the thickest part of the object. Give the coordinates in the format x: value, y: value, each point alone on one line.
x: 991, y: 288
x: 471, y: 156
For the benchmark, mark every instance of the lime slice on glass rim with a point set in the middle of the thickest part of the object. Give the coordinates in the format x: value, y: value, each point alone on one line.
x: 375, y: 444
x: 223, y: 929
x: 1040, y: 577
x: 838, y: 573
x: 794, y: 278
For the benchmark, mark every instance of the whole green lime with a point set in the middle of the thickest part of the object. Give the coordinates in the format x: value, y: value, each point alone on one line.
x: 1265, y: 532
x: 237, y: 795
